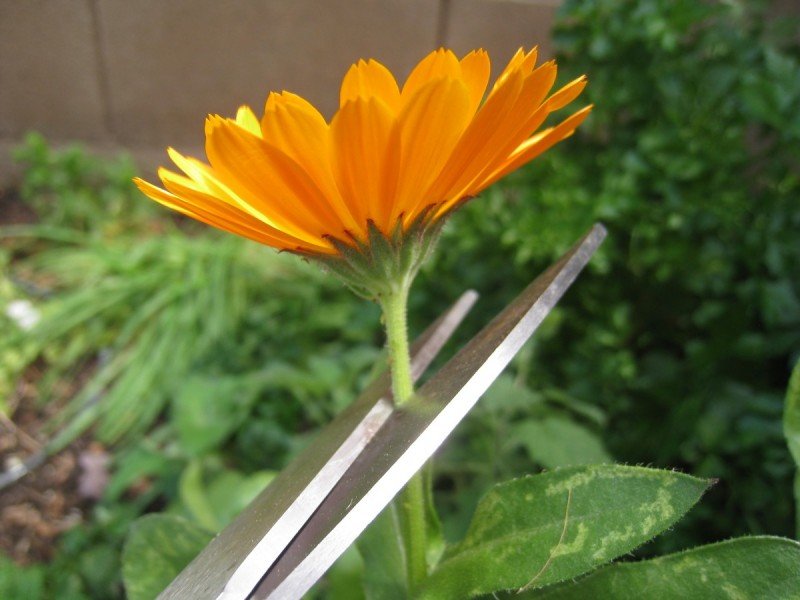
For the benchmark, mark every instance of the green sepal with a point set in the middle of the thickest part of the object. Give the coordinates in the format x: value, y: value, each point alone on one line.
x: 383, y: 263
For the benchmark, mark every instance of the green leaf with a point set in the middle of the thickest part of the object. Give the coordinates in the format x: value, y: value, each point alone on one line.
x: 131, y: 465
x: 755, y: 567
x: 381, y: 548
x: 343, y: 579
x: 538, y: 530
x: 558, y: 442
x: 791, y: 415
x: 21, y: 582
x: 791, y: 429
x: 208, y: 409
x: 506, y: 395
x: 156, y: 550
x: 191, y: 489
x: 434, y: 535
x: 230, y: 492
x: 214, y: 499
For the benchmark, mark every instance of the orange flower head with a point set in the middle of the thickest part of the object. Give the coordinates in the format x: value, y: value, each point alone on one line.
x: 393, y: 160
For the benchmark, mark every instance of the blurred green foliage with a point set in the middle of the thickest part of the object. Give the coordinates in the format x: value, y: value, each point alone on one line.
x: 148, y: 311
x: 87, y: 564
x: 220, y: 359
x: 791, y: 429
x: 693, y: 160
x: 203, y: 358
x: 686, y: 328
x: 71, y: 188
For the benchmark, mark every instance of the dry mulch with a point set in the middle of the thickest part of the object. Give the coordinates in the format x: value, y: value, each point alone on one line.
x: 53, y: 497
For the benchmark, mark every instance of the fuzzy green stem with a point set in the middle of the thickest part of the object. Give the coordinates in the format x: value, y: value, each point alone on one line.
x: 411, y: 503
x: 394, y: 314
x: 412, y: 520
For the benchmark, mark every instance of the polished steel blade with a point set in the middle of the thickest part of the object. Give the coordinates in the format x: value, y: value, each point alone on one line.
x: 236, y: 560
x: 413, y: 433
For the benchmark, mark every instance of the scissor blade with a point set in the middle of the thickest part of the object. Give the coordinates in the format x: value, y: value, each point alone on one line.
x: 236, y: 560
x: 414, y: 432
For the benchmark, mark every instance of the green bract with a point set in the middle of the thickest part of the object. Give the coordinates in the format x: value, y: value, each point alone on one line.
x: 380, y: 265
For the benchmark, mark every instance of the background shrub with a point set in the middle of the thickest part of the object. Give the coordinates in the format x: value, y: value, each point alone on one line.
x: 686, y: 330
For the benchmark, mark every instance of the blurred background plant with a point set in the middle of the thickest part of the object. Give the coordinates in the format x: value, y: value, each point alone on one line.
x: 686, y: 332
x: 202, y: 363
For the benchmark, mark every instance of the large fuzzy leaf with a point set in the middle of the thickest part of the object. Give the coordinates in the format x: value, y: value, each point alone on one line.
x: 539, y: 530
x: 756, y: 567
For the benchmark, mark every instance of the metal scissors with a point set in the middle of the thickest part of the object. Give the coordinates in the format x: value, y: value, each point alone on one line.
x: 289, y: 536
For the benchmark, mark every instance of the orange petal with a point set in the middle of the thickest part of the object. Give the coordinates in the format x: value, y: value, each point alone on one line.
x: 438, y: 64
x: 534, y: 146
x: 367, y: 79
x: 479, y: 141
x: 431, y: 124
x: 205, y: 180
x: 521, y: 61
x: 270, y: 181
x: 304, y: 136
x: 211, y: 208
x: 275, y: 99
x: 222, y: 216
x: 519, y: 121
x: 539, y: 83
x: 365, y: 156
x: 567, y: 94
x: 204, y: 177
x: 475, y: 71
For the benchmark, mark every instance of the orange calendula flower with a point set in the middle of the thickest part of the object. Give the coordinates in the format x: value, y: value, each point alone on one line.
x: 393, y: 160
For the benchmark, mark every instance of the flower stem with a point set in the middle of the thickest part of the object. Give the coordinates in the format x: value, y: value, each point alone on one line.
x: 412, y: 521
x: 411, y: 503
x: 394, y: 313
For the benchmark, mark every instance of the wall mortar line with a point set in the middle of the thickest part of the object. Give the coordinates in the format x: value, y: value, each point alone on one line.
x: 101, y: 66
x: 443, y: 23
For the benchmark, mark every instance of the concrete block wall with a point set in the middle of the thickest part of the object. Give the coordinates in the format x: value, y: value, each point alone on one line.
x: 140, y: 75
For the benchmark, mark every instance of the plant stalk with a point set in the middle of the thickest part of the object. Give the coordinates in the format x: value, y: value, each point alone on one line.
x: 395, y: 317
x: 411, y: 502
